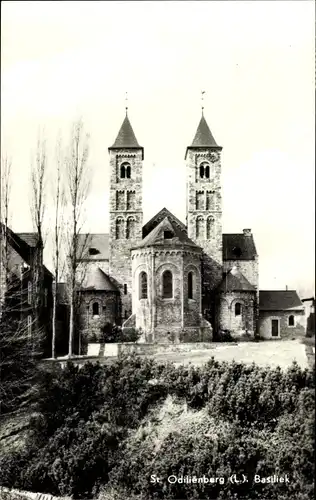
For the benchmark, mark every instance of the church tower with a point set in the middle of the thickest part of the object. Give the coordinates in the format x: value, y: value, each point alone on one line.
x: 204, y: 202
x: 126, y: 212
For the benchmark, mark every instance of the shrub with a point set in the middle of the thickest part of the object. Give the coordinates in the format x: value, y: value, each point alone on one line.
x: 223, y: 336
x: 115, y: 334
x: 113, y: 426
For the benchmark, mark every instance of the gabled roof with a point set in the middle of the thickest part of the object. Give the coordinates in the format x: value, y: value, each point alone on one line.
x: 126, y: 137
x: 96, y: 279
x: 154, y: 221
x: 235, y: 281
x: 22, y: 248
x: 279, y: 300
x: 239, y: 247
x: 30, y: 238
x: 157, y: 237
x: 95, y: 241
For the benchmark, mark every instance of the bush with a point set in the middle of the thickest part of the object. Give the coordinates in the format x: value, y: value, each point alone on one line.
x: 115, y: 334
x: 223, y: 336
x: 111, y: 427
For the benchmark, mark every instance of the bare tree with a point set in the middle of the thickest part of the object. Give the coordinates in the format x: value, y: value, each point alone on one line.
x: 78, y: 183
x: 59, y: 201
x: 38, y: 176
x: 5, y: 191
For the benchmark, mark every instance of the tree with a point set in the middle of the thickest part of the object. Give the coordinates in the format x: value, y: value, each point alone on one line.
x: 38, y: 176
x: 5, y: 190
x: 77, y: 190
x: 59, y: 201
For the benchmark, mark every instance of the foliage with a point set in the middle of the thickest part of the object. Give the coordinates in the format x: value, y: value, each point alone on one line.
x: 109, y: 428
x: 223, y: 336
x: 115, y: 334
x: 18, y: 362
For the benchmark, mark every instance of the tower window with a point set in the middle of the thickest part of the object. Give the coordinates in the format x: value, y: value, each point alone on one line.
x: 291, y: 320
x: 143, y: 285
x: 190, y: 285
x: 204, y: 170
x: 210, y: 198
x: 209, y: 227
x: 130, y: 228
x: 125, y: 289
x: 95, y: 309
x: 119, y: 229
x: 238, y: 309
x: 125, y: 170
x: 120, y: 199
x: 167, y: 285
x: 199, y: 200
x: 199, y: 227
x: 130, y: 202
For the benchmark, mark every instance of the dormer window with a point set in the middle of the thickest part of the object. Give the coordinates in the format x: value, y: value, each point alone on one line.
x: 237, y: 252
x: 168, y: 235
x: 93, y: 251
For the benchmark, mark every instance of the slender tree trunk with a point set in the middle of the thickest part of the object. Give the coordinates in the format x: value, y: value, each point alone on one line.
x: 78, y: 186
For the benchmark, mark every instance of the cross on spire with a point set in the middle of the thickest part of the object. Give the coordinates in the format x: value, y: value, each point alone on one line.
x: 202, y: 99
x: 126, y: 100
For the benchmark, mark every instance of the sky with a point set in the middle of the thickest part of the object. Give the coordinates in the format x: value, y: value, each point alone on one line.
x: 254, y: 60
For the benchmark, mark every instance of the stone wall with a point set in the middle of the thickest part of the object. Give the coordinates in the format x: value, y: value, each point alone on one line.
x: 90, y: 325
x: 206, y: 212
x: 120, y: 268
x: 160, y: 316
x: 227, y: 320
x: 285, y: 331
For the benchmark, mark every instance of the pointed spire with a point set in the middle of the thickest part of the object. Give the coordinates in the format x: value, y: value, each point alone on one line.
x: 126, y: 137
x: 203, y: 136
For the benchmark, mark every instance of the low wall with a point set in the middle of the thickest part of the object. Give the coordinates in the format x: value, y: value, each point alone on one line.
x: 11, y: 494
x: 113, y: 350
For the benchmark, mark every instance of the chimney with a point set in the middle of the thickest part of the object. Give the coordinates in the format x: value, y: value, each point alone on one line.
x: 247, y: 232
x: 286, y: 287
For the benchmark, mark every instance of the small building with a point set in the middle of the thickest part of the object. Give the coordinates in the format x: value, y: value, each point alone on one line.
x: 309, y: 306
x: 19, y: 264
x: 281, y: 315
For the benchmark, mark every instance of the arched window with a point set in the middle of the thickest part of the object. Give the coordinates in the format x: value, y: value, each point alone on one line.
x: 291, y: 320
x: 125, y: 170
x: 204, y: 170
x: 209, y: 227
x: 143, y: 286
x: 190, y: 285
x: 119, y: 229
x: 95, y: 309
x: 238, y: 309
x: 167, y: 285
x: 200, y: 227
x: 130, y: 228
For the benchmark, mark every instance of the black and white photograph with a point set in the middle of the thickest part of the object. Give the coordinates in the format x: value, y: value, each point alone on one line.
x: 157, y: 250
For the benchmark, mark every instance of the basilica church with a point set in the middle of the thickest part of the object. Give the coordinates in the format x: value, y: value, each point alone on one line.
x: 165, y: 276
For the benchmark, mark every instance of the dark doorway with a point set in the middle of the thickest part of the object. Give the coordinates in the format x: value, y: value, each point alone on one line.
x: 275, y: 327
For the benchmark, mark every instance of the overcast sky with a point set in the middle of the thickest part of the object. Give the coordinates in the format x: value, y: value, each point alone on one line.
x: 256, y: 62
